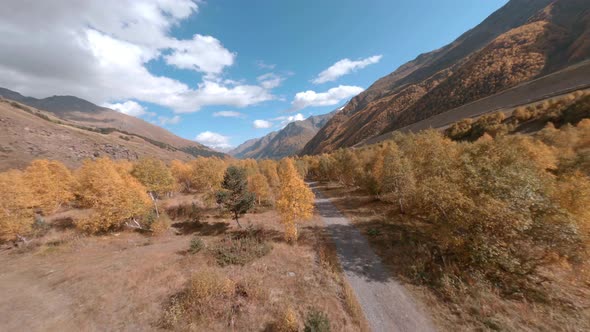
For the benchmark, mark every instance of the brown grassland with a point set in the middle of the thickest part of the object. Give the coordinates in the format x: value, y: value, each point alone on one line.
x: 66, y: 280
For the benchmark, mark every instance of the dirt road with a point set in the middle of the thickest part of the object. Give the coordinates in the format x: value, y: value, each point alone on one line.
x: 386, y: 304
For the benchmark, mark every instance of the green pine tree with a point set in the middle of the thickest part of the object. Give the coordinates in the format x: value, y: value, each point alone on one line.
x: 235, y: 196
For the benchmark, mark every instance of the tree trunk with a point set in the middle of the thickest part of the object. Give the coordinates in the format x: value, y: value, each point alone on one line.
x: 155, y: 204
x: 237, y: 217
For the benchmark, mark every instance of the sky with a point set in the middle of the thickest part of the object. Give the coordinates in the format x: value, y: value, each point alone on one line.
x: 220, y: 71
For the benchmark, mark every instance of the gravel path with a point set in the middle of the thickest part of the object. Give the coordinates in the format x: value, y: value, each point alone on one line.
x: 386, y: 304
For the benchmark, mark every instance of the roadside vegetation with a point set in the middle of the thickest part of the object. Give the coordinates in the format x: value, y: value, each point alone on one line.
x: 495, y: 227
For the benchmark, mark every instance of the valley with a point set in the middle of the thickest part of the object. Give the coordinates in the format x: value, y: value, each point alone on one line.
x: 293, y: 176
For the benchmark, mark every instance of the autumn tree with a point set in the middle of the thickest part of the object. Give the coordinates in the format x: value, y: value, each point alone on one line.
x: 295, y: 201
x: 207, y: 174
x: 16, y: 201
x: 51, y: 184
x: 182, y: 173
x: 113, y: 194
x: 269, y: 169
x: 347, y: 167
x: 234, y: 195
x: 155, y: 176
x: 258, y: 185
x: 398, y: 182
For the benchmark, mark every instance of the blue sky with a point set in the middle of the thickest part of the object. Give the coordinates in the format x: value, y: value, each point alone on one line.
x: 225, y: 71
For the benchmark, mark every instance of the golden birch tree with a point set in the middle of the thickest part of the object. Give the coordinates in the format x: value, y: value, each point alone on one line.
x: 295, y: 201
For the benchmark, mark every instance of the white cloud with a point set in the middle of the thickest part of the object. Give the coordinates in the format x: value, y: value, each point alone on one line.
x: 260, y: 124
x: 228, y: 114
x: 213, y: 93
x: 285, y: 120
x: 164, y: 120
x: 343, y: 67
x: 331, y: 97
x: 262, y: 65
x: 214, y: 140
x: 129, y: 107
x: 270, y: 80
x: 202, y: 53
x: 107, y: 54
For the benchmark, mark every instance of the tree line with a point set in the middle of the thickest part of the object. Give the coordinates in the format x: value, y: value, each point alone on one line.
x: 126, y: 194
x: 502, y: 207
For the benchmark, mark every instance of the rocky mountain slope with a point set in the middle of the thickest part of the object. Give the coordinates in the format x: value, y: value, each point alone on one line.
x: 86, y: 114
x: 522, y: 41
x: 285, y: 142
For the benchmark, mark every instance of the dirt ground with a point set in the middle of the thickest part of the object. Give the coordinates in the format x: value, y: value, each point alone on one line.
x: 67, y: 281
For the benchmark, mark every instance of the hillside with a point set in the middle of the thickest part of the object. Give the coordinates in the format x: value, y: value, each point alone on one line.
x: 282, y: 143
x: 522, y: 41
x: 27, y: 133
x: 84, y: 113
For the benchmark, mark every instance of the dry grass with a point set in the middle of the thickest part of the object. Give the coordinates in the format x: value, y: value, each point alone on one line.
x: 132, y: 281
x: 456, y: 305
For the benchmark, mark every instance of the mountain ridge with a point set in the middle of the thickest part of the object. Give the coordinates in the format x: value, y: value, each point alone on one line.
x: 523, y: 40
x: 84, y: 113
x: 285, y: 142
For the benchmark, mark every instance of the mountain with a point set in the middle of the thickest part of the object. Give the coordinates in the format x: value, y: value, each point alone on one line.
x: 282, y: 143
x: 84, y: 113
x: 523, y: 41
x: 28, y: 133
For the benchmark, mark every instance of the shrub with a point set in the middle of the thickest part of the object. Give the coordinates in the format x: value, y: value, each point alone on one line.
x: 287, y: 321
x: 209, y: 294
x: 160, y: 224
x: 190, y: 212
x: 240, y: 249
x: 316, y: 321
x: 196, y: 245
x: 206, y: 285
x: 16, y: 213
x: 489, y: 123
x: 460, y: 130
x: 522, y: 114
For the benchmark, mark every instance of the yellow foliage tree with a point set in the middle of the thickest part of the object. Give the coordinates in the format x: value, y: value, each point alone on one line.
x: 154, y: 175
x: 112, y: 193
x: 182, y: 172
x: 259, y: 186
x: 295, y: 200
x: 16, y: 213
x: 398, y: 182
x: 269, y: 169
x: 51, y: 184
x: 207, y: 174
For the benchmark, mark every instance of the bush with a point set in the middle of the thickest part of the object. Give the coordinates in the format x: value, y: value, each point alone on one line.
x: 460, y: 130
x: 287, y: 321
x: 240, y: 249
x: 522, y: 114
x: 189, y: 212
x: 196, y: 245
x: 161, y: 224
x: 209, y: 294
x: 316, y: 321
